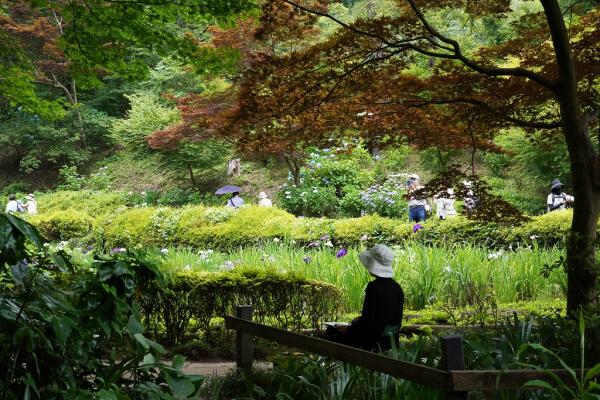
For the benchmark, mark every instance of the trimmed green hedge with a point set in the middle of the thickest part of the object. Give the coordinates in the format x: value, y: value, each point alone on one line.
x: 224, y: 228
x: 190, y: 300
x: 64, y: 224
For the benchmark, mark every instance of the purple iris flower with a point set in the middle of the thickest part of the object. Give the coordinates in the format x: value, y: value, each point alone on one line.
x: 307, y: 259
x: 417, y: 227
x: 341, y: 253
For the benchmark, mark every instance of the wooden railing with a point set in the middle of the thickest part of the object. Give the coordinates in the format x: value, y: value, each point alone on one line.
x: 453, y: 379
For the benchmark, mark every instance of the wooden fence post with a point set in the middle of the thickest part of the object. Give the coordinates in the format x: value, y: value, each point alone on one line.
x: 453, y: 359
x: 243, y: 345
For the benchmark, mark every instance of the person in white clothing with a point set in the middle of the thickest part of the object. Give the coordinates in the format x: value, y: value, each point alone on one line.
x: 264, y: 200
x: 470, y: 199
x: 235, y: 200
x: 31, y: 204
x: 13, y: 204
x: 557, y: 199
x: 445, y: 204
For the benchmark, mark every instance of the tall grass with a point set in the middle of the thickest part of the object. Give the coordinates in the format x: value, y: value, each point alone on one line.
x: 455, y: 275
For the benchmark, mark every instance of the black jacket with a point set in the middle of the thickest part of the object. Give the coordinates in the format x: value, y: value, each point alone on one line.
x: 384, y: 300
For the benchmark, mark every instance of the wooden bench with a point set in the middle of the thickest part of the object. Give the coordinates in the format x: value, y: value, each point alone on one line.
x: 452, y: 379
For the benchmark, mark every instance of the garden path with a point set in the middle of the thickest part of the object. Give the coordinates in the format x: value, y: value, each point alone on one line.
x: 218, y: 368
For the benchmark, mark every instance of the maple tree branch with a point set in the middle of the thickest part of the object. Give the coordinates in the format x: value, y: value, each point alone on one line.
x: 320, y: 83
x: 490, y: 71
x: 337, y: 21
x: 479, y: 103
x: 321, y: 67
x: 455, y: 48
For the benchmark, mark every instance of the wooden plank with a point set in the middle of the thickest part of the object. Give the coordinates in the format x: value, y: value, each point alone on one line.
x: 453, y: 359
x: 420, y: 374
x: 491, y: 380
x: 243, y: 344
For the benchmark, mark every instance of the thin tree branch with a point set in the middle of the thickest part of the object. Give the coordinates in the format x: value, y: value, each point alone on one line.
x: 476, y: 102
x: 339, y: 22
x: 491, y: 71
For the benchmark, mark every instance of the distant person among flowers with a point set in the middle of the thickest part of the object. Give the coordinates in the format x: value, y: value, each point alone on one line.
x: 31, y: 204
x: 557, y: 199
x: 417, y: 203
x: 445, y: 204
x: 235, y: 200
x: 264, y: 200
x: 470, y: 199
x: 13, y: 205
x: 382, y: 308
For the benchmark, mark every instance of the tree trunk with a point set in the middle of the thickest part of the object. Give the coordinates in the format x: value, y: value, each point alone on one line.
x: 293, y: 167
x: 82, y: 134
x: 191, y: 171
x: 582, y: 270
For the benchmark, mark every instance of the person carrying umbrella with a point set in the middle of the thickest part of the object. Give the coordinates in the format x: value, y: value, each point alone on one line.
x: 235, y: 200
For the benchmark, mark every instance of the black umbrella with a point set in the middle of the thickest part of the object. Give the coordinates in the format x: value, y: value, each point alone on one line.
x: 228, y: 189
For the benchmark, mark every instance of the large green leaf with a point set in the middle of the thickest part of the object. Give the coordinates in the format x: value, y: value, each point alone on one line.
x: 182, y: 387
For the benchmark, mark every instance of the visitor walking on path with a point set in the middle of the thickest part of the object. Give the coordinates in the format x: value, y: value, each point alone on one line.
x: 382, y: 308
x: 13, y: 205
x: 445, y: 204
x: 264, y: 200
x: 235, y: 200
x: 417, y: 203
x: 31, y: 204
x: 557, y: 199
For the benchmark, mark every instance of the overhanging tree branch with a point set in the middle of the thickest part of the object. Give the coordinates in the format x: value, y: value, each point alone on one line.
x: 457, y: 53
x: 476, y: 102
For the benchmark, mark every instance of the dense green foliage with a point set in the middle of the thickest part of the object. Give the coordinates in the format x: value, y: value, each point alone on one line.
x: 118, y: 220
x: 283, y: 300
x: 84, y: 324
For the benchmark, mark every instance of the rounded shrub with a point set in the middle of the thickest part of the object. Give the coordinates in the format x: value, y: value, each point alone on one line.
x: 283, y: 300
x: 547, y: 229
x: 222, y: 228
x: 64, y: 225
x: 368, y: 229
x: 94, y: 203
x: 130, y: 228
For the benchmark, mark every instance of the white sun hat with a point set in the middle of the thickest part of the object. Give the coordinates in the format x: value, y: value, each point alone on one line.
x: 467, y: 184
x: 262, y: 195
x: 414, y: 176
x: 378, y: 261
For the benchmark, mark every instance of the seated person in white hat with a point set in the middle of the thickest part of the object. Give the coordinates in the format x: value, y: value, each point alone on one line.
x: 382, y: 308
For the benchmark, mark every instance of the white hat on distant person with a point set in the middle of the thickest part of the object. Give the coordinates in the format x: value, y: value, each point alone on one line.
x: 30, y: 196
x: 467, y: 184
x: 378, y: 261
x: 414, y: 176
x: 262, y: 195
